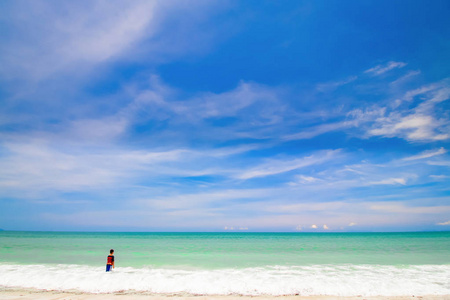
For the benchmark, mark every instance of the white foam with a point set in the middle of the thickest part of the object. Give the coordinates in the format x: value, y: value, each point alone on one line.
x: 343, y: 280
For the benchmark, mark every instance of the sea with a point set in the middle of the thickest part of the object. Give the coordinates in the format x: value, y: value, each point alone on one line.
x: 338, y: 264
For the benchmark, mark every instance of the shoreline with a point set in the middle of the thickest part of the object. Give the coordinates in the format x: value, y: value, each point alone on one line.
x: 7, y: 293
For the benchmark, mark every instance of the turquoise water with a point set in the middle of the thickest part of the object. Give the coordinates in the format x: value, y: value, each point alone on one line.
x: 219, y: 250
x: 343, y: 264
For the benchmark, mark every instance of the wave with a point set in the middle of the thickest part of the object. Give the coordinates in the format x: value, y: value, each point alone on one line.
x: 336, y: 280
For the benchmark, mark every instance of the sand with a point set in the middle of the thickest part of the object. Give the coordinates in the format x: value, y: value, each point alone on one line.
x: 28, y: 294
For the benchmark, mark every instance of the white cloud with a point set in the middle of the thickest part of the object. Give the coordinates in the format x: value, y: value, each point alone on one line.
x: 307, y: 179
x: 330, y: 86
x: 439, y: 163
x: 422, y: 123
x: 248, y: 103
x: 444, y: 223
x: 406, y: 77
x: 403, y: 209
x: 381, y: 69
x: 234, y: 228
x: 427, y: 154
x: 97, y: 129
x: 39, y: 166
x: 274, y: 167
x: 389, y: 181
x: 440, y: 95
x: 228, y: 104
x: 325, y: 227
x: 228, y: 151
x: 355, y: 118
x: 308, y: 133
x: 105, y: 31
x: 73, y: 32
x: 160, y: 103
x: 409, y: 96
x: 294, y: 208
x: 368, y: 114
x: 75, y: 36
x: 413, y: 127
x: 440, y: 177
x: 352, y: 224
x: 195, y: 200
x: 253, y: 215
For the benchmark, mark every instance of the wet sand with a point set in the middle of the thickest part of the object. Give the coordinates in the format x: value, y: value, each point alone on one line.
x: 29, y: 294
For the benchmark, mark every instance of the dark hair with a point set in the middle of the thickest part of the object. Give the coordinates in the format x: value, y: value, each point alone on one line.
x: 111, y: 251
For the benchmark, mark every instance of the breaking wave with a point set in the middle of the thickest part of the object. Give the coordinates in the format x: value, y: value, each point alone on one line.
x: 338, y: 280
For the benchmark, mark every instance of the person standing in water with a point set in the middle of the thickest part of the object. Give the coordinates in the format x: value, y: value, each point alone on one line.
x: 110, y: 260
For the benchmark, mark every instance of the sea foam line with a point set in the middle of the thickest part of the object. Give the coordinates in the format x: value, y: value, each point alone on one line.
x: 341, y: 280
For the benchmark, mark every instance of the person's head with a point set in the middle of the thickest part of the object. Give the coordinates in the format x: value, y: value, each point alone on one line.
x: 111, y: 251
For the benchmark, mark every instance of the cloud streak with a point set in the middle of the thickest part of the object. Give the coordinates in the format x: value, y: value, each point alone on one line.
x: 381, y: 69
x: 444, y: 223
x: 275, y: 167
x: 85, y: 34
x: 426, y: 154
x: 75, y: 37
x: 389, y: 181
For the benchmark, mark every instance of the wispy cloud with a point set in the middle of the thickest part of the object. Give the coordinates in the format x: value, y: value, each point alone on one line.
x: 410, y: 95
x: 214, y: 116
x: 230, y: 103
x: 406, y: 77
x: 204, y: 199
x: 308, y: 133
x: 413, y: 127
x: 274, y: 167
x: 421, y: 123
x: 393, y: 175
x: 440, y: 177
x: 381, y: 69
x: 426, y: 154
x: 304, y: 207
x: 389, y: 181
x: 444, y: 223
x: 404, y: 209
x: 41, y: 167
x: 330, y: 86
x: 305, y: 179
x: 444, y: 163
x: 86, y: 33
x: 74, y: 37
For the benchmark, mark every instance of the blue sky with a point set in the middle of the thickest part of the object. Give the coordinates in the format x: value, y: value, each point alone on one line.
x: 225, y: 115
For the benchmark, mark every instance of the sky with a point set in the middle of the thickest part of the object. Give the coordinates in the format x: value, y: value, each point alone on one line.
x: 293, y: 116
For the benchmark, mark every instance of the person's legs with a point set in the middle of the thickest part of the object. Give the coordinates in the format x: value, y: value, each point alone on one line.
x: 108, y: 268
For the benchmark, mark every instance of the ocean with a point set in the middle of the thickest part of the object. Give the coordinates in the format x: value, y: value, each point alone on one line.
x: 340, y: 264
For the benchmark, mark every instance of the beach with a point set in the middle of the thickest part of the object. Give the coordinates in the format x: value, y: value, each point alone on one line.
x: 28, y: 294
